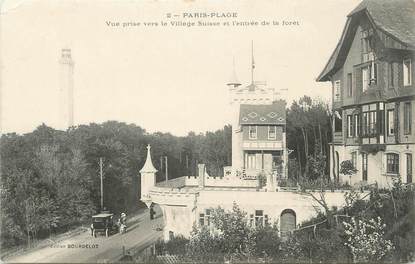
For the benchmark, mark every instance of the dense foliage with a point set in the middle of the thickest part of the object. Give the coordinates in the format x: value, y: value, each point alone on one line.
x: 50, y: 179
x: 308, y: 134
x: 378, y: 228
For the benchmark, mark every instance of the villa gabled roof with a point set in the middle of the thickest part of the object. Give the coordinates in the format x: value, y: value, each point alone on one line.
x: 273, y: 114
x: 395, y: 18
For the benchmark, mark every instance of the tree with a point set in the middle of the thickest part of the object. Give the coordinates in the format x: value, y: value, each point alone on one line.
x: 366, y: 239
x: 347, y: 168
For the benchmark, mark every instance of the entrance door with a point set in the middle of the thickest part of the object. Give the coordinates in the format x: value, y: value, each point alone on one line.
x: 364, y: 166
x: 288, y: 222
x: 409, y: 168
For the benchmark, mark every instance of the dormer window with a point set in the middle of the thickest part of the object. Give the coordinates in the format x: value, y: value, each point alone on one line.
x: 252, y: 132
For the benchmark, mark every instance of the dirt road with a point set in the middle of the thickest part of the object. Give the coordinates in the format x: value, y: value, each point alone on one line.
x: 84, y: 248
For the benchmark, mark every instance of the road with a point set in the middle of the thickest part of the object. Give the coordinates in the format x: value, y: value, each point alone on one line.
x: 100, y: 249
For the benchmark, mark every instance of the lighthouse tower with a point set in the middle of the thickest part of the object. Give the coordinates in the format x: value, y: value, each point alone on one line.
x: 148, y: 178
x: 66, y: 93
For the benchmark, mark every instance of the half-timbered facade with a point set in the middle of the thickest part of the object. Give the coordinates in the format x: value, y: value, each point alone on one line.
x: 373, y: 95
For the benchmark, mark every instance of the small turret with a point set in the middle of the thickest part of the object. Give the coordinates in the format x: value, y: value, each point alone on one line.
x: 148, y: 178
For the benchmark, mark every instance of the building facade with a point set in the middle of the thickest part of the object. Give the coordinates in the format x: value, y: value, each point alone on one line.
x: 373, y: 93
x: 259, y: 158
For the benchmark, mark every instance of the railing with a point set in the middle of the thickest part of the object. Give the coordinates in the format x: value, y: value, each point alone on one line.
x: 262, y: 144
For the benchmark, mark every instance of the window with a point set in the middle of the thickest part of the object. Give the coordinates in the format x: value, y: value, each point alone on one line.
x: 369, y: 75
x: 373, y: 70
x: 365, y: 78
x: 391, y: 122
x: 381, y: 120
x: 369, y: 123
x: 349, y: 85
x: 372, y: 122
x: 407, y: 72
x: 337, y: 122
x: 201, y: 219
x: 251, y: 220
x: 259, y: 218
x: 250, y: 161
x: 252, y: 132
x: 350, y: 126
x: 407, y: 118
x: 366, y: 44
x: 337, y: 90
x: 272, y: 132
x: 392, y: 163
x: 354, y: 159
x: 391, y: 76
x: 356, y: 125
x: 207, y: 217
x: 204, y: 218
x: 408, y: 168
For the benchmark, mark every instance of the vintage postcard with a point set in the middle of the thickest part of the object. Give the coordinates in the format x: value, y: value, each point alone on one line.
x: 201, y: 131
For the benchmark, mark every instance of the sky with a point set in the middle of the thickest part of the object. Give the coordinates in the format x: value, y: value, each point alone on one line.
x: 162, y: 78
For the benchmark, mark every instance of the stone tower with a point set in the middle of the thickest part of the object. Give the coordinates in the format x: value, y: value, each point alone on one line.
x: 66, y: 90
x: 148, y: 178
x: 255, y: 93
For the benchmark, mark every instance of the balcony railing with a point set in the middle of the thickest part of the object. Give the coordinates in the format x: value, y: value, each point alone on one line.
x: 255, y: 145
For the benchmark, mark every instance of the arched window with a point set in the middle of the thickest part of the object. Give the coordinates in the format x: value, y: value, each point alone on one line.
x: 287, y: 221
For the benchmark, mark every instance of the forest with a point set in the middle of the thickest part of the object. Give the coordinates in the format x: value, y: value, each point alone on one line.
x: 50, y: 179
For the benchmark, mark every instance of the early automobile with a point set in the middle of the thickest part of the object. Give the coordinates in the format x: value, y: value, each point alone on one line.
x: 103, y: 223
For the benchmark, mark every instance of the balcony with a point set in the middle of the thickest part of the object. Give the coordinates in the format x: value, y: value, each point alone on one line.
x: 262, y: 145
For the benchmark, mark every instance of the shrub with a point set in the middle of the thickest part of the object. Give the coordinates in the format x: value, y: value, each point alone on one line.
x: 366, y: 239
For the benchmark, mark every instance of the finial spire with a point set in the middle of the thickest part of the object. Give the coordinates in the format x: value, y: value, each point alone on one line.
x: 148, y: 165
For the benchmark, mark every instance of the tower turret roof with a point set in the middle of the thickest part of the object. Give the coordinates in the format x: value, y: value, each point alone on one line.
x: 148, y: 165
